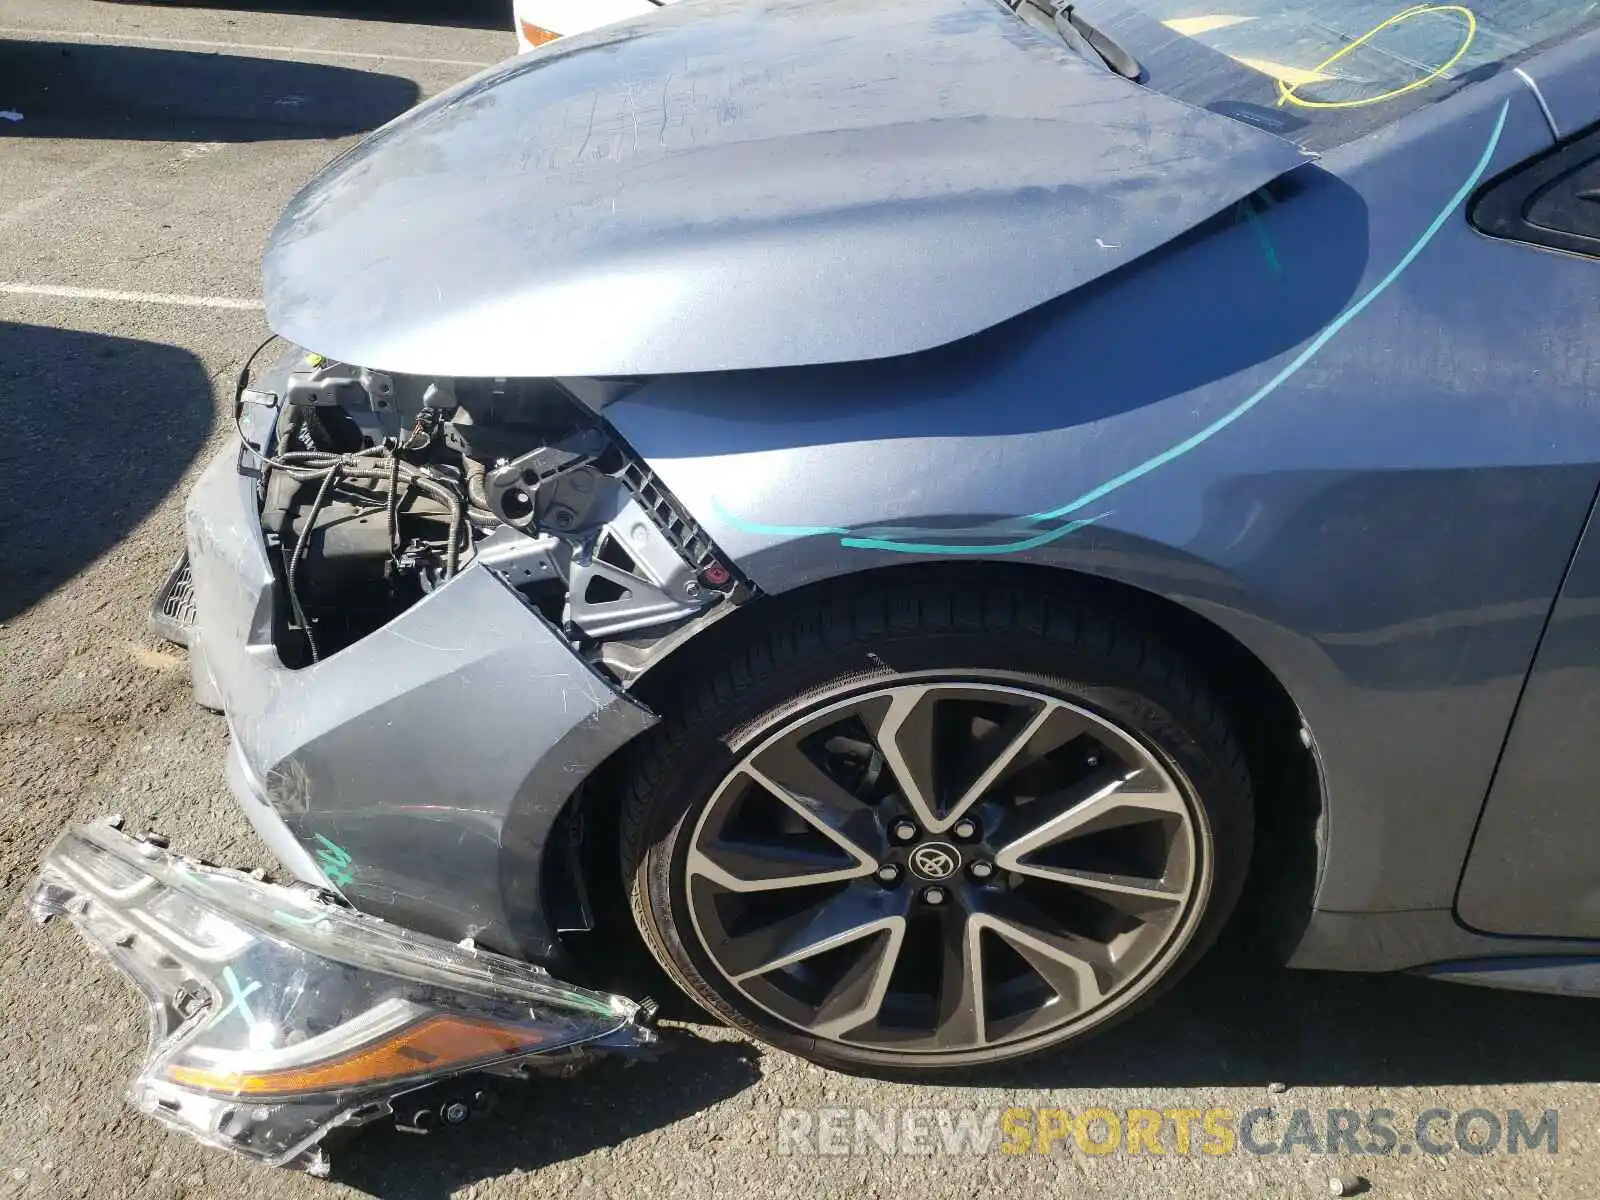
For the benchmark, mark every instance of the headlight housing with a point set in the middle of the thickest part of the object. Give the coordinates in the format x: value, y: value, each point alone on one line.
x: 276, y: 1016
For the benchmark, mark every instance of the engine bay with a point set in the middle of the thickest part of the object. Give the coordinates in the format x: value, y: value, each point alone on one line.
x: 380, y: 488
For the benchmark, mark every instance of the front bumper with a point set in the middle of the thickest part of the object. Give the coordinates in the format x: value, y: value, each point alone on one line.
x: 419, y: 771
x: 276, y: 1016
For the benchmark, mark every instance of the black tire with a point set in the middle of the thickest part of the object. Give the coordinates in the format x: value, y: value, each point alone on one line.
x: 1062, y: 642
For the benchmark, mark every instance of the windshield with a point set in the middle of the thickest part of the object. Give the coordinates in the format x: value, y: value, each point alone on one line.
x: 1322, y: 72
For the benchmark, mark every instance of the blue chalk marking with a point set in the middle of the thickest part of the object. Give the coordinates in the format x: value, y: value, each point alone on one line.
x: 894, y: 545
x: 334, y: 851
x: 856, y: 541
x: 1027, y: 543
x: 240, y: 998
x: 1263, y: 234
x: 1317, y: 343
x: 335, y: 862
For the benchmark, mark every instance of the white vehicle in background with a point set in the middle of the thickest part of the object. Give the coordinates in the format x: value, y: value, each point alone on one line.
x: 542, y: 21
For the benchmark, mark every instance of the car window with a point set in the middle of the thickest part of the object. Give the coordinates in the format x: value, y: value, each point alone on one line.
x: 1323, y: 73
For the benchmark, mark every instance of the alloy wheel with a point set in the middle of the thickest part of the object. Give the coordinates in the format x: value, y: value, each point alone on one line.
x: 945, y: 867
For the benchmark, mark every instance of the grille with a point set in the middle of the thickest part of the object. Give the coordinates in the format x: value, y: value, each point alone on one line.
x: 172, y: 614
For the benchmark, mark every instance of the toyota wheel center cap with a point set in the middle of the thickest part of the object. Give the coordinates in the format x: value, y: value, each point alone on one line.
x: 935, y: 860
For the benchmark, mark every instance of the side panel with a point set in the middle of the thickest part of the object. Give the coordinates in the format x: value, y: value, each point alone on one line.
x: 1535, y: 865
x: 1311, y: 422
x: 1533, y: 868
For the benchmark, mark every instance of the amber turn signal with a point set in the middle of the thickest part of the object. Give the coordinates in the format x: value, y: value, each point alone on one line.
x: 440, y: 1043
x: 535, y: 36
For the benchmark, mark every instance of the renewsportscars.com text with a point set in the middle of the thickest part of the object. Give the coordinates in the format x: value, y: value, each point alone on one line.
x: 1165, y: 1131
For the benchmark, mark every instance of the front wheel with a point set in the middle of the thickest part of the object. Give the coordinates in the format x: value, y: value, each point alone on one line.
x: 936, y: 827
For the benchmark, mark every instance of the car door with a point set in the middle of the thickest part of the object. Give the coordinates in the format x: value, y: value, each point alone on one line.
x: 1534, y: 866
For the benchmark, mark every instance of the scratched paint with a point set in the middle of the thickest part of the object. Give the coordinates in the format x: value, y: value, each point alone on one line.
x: 912, y: 540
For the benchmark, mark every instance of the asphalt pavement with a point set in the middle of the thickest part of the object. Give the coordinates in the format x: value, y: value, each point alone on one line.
x: 155, y: 147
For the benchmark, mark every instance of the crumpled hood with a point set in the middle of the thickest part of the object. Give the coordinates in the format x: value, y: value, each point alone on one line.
x: 746, y: 183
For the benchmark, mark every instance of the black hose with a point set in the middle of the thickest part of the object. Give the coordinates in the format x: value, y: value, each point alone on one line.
x: 300, y: 545
x: 477, y: 476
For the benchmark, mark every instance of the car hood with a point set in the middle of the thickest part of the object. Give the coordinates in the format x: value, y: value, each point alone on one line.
x: 732, y: 184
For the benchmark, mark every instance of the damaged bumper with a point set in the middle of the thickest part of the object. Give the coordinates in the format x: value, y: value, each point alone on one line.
x: 277, y: 1016
x: 418, y: 771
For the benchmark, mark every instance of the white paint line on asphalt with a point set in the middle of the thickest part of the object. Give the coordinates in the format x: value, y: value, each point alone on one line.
x: 170, y: 299
x: 205, y: 45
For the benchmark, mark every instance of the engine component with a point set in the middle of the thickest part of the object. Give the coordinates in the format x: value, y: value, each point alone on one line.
x: 554, y: 487
x: 352, y: 547
x: 385, y: 485
x: 498, y: 419
x: 375, y: 403
x: 360, y: 534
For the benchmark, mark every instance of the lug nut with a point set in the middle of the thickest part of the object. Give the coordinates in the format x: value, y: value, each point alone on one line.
x: 966, y: 830
x: 888, y: 873
x: 903, y: 831
x: 933, y: 895
x: 982, y: 870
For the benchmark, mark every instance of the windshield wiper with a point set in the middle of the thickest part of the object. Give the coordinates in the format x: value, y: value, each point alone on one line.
x: 1090, y: 42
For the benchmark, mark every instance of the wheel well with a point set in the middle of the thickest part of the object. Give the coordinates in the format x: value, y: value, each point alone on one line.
x: 1283, y: 773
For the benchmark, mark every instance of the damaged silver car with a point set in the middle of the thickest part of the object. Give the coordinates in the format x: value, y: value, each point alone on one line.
x: 887, y: 506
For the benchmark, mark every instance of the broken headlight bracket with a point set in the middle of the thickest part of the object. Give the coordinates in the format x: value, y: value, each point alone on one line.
x: 277, y: 1017
x: 552, y: 487
x: 609, y: 535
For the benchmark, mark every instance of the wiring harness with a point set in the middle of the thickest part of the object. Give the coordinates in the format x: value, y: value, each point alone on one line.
x: 383, y: 465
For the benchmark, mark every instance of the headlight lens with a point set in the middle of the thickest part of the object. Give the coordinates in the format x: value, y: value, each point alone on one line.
x: 275, y: 1016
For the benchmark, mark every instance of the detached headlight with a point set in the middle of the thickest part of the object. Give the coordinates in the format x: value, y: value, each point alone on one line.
x: 276, y: 1017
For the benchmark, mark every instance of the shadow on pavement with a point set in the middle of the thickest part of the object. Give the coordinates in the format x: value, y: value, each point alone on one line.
x: 98, y: 430
x: 1240, y: 1019
x: 72, y: 89
x: 548, y: 1121
x: 464, y: 14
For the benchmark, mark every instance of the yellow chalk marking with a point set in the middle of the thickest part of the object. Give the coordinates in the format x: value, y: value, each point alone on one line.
x: 1286, y: 90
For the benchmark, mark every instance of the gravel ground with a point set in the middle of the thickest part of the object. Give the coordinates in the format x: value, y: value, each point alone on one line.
x: 157, y: 146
